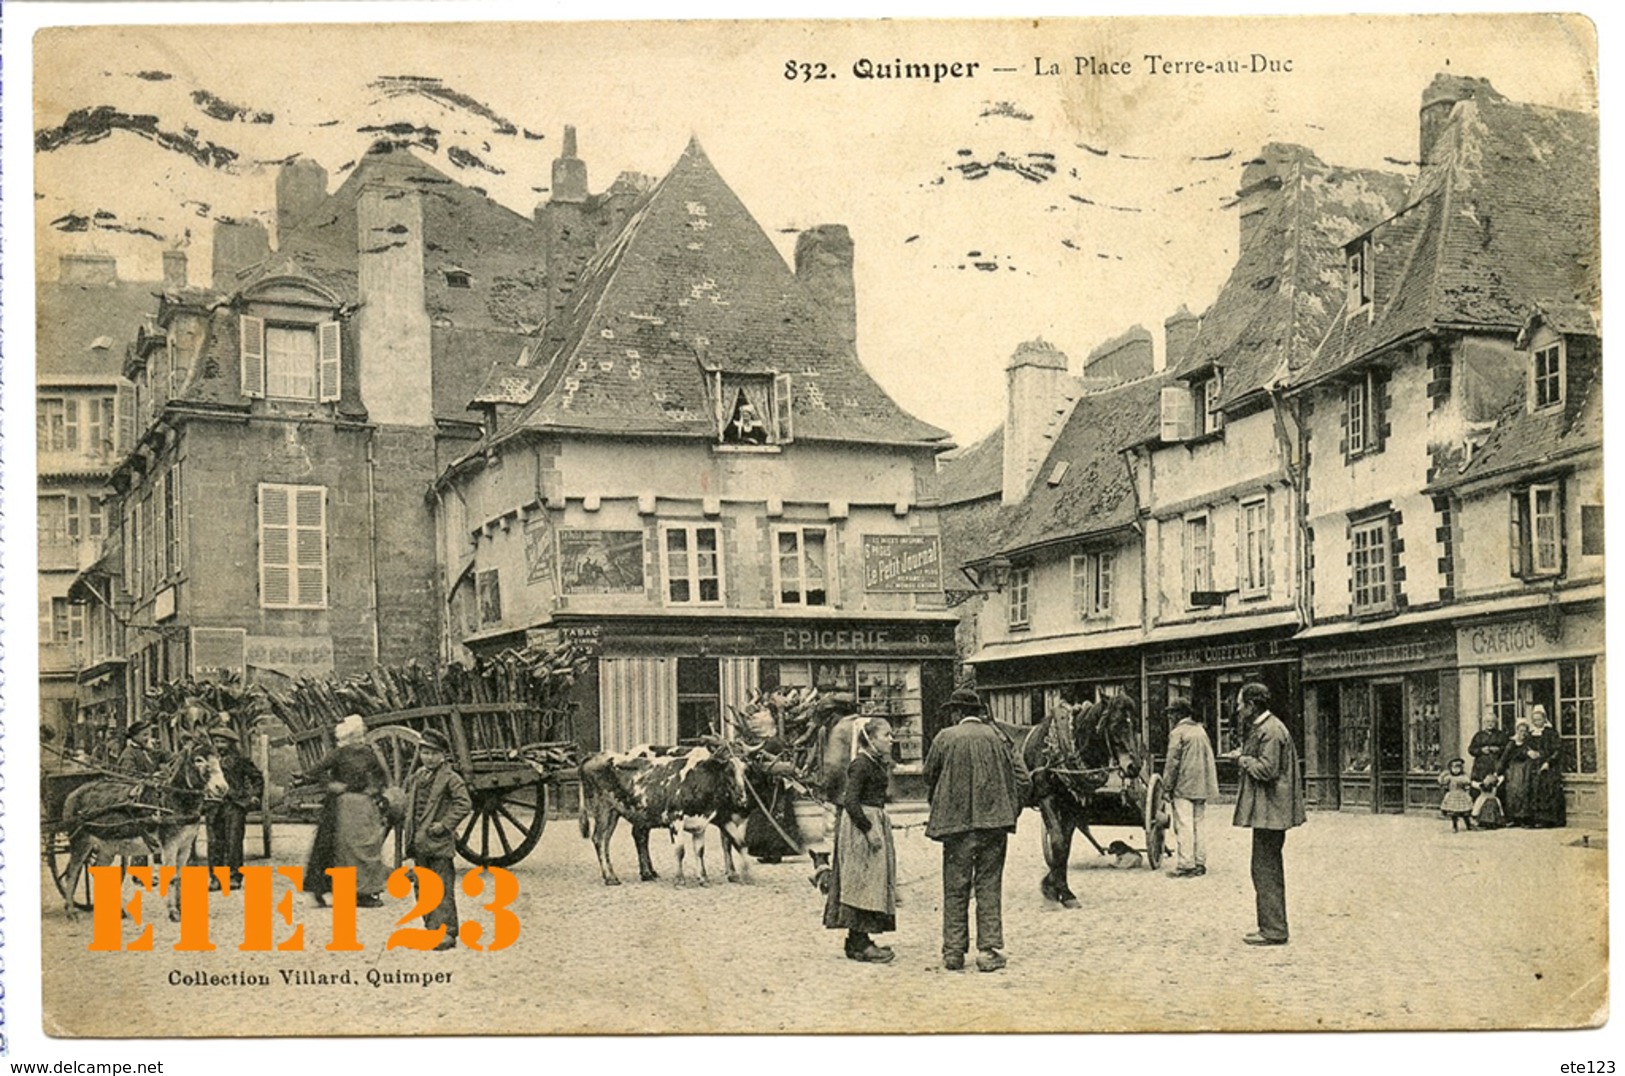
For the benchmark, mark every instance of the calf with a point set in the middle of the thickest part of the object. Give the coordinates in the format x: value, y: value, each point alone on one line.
x: 664, y: 787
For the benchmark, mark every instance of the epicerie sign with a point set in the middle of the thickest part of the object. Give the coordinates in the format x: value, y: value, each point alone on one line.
x: 902, y: 563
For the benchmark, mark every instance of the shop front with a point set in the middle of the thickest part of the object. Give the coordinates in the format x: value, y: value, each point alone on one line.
x: 1552, y: 658
x: 1209, y: 675
x: 671, y: 679
x: 1381, y: 711
x: 1023, y: 690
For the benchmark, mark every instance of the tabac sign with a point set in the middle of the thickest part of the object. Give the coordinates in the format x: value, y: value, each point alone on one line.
x: 902, y: 563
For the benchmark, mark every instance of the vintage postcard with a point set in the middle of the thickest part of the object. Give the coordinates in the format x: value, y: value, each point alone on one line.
x: 1078, y: 525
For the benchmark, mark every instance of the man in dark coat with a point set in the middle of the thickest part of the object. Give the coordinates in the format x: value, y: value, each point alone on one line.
x: 229, y: 819
x: 1270, y: 802
x: 971, y: 784
x: 437, y: 801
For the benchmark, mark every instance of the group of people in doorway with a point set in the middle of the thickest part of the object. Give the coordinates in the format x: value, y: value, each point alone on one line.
x: 1515, y: 780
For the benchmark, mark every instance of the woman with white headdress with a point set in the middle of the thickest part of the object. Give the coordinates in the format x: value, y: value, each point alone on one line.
x: 350, y: 831
x: 1545, y: 772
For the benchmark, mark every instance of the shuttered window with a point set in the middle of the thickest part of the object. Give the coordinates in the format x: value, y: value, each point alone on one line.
x: 293, y: 547
x: 291, y: 362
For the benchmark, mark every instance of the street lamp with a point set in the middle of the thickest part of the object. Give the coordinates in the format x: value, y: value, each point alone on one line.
x: 989, y: 575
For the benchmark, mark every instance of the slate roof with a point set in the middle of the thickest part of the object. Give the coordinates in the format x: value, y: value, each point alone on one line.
x: 500, y: 250
x: 1095, y: 494
x: 1503, y: 217
x: 1288, y: 278
x: 72, y: 318
x: 692, y: 283
x: 973, y: 472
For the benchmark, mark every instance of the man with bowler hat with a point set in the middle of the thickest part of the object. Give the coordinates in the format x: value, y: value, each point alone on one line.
x: 972, y: 787
x: 437, y: 801
x: 1270, y: 802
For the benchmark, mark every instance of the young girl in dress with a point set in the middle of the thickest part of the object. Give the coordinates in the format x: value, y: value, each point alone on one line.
x: 1458, y: 799
x: 1487, y: 813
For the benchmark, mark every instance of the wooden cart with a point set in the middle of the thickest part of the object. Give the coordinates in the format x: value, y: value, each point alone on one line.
x: 56, y: 785
x: 508, y: 752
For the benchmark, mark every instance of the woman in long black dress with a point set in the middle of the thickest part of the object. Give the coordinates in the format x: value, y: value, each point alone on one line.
x: 1545, y: 772
x: 765, y: 830
x: 350, y: 831
x: 1516, y: 773
x: 1485, y: 749
x: 863, y: 884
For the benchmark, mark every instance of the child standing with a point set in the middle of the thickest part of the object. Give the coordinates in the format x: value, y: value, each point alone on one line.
x: 1458, y: 799
x: 1487, y: 812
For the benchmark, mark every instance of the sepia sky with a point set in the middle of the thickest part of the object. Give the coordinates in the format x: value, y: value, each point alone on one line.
x: 985, y: 210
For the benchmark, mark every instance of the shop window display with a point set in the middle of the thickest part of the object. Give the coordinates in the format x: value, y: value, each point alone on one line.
x: 1422, y: 720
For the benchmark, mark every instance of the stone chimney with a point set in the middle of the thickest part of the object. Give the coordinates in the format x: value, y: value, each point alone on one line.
x: 1262, y: 182
x: 1180, y: 333
x: 175, y: 269
x: 97, y: 269
x: 392, y: 324
x: 569, y: 172
x: 1037, y: 390
x: 301, y: 186
x: 1123, y: 358
x: 1439, y: 100
x: 824, y: 267
x: 238, y: 244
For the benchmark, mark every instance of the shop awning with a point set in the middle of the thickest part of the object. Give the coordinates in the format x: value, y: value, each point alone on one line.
x: 1056, y: 644
x: 1463, y: 611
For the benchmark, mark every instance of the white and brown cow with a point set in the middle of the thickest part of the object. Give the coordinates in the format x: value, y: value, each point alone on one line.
x: 669, y: 788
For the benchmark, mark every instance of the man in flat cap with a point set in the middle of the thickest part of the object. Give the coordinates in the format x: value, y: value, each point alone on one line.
x: 437, y: 801
x: 228, y: 819
x: 972, y: 787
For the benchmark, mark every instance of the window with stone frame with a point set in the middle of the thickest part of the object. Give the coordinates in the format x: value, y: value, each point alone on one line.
x: 1362, y: 414
x: 802, y: 566
x: 1018, y: 598
x: 290, y: 360
x: 691, y: 556
x: 1371, y: 562
x: 1536, y: 535
x: 293, y: 546
x: 1255, y: 547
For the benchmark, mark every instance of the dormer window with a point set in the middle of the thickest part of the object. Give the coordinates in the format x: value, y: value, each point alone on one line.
x: 753, y: 410
x: 1212, y: 417
x: 1360, y: 274
x: 457, y: 278
x: 1546, y: 373
x: 1191, y: 409
x: 290, y: 361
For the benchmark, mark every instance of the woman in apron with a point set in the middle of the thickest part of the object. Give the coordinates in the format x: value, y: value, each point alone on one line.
x: 863, y: 885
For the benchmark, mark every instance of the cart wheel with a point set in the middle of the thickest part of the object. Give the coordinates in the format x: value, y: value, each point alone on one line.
x: 396, y: 748
x: 505, y: 825
x: 1155, y: 827
x: 58, y: 856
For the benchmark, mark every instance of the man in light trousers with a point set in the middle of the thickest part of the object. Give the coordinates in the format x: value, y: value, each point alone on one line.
x: 1191, y: 778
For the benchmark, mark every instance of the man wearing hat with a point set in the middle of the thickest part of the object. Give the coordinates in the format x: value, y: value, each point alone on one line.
x: 972, y: 787
x: 1191, y: 778
x: 437, y: 802
x: 229, y: 819
x: 1270, y: 802
x: 141, y: 756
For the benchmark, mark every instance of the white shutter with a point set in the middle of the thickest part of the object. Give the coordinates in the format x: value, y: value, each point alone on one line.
x: 782, y: 415
x: 310, y: 546
x: 251, y: 332
x: 276, y: 547
x: 329, y: 338
x: 1178, y: 413
x: 125, y: 404
x: 637, y: 702
x: 740, y: 677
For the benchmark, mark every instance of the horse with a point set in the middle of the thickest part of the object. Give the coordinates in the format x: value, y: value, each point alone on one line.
x: 1083, y: 759
x: 162, y: 812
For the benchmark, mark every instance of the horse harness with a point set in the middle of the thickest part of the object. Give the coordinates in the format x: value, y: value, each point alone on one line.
x: 1060, y: 742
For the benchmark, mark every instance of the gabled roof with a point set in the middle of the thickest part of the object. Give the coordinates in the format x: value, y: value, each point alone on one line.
x: 1288, y: 278
x: 972, y: 473
x: 1094, y: 494
x: 83, y: 329
x: 1503, y: 216
x: 692, y: 284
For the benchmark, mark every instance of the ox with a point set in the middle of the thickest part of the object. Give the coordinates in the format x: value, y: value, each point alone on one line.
x: 670, y: 788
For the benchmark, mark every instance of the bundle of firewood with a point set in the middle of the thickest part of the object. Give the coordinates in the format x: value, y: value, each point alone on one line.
x: 532, y: 676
